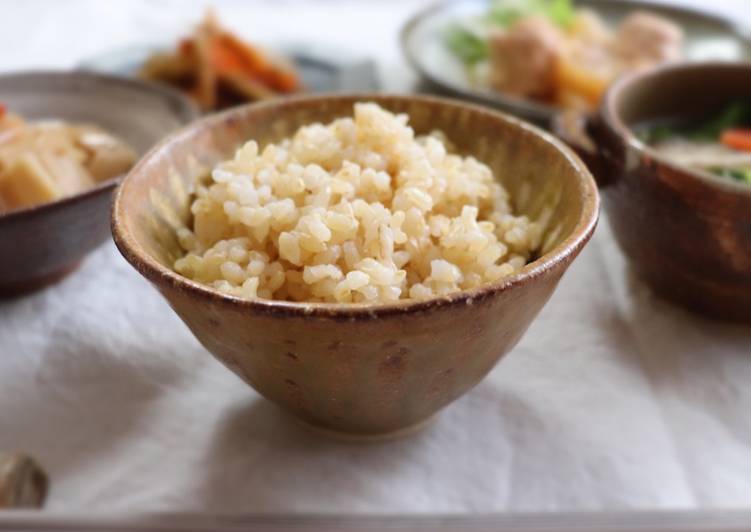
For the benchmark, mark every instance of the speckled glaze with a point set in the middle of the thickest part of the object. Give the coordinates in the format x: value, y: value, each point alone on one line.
x: 686, y: 233
x: 359, y: 369
x: 42, y: 244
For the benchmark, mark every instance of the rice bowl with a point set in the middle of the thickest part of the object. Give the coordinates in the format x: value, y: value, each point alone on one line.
x: 365, y: 369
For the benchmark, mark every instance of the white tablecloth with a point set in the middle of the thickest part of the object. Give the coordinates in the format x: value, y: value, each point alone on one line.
x: 613, y: 399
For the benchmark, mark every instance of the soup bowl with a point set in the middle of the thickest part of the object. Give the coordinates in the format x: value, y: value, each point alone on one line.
x: 359, y: 369
x: 687, y: 233
x: 42, y: 243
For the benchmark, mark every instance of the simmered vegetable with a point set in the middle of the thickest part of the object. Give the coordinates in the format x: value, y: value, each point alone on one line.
x: 43, y: 161
x: 468, y: 39
x: 738, y: 139
x: 549, y: 51
x: 218, y: 69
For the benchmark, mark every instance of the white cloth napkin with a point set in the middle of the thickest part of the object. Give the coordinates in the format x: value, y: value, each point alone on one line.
x: 613, y: 399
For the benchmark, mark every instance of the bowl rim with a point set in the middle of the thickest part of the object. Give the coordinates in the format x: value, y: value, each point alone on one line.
x: 158, y: 274
x: 612, y: 119
x: 188, y: 111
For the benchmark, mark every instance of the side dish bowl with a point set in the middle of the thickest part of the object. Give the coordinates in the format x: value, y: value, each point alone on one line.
x: 687, y: 233
x: 356, y: 368
x: 43, y: 243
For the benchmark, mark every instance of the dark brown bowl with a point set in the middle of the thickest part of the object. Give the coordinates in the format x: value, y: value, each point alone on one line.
x: 41, y: 244
x: 362, y: 369
x: 686, y: 233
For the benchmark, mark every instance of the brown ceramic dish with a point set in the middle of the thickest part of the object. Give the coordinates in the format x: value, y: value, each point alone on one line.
x: 359, y: 369
x: 41, y: 244
x: 685, y: 232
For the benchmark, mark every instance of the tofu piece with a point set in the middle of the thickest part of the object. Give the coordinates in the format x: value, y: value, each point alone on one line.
x: 54, y: 157
x: 68, y: 173
x: 26, y: 182
x: 644, y: 39
x: 109, y: 162
x: 108, y: 157
x: 523, y: 59
x: 55, y: 138
x: 44, y: 161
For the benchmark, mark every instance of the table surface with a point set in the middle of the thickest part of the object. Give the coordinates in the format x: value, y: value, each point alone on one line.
x: 614, y: 400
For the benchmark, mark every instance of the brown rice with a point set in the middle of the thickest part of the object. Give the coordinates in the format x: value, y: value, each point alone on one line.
x: 359, y: 210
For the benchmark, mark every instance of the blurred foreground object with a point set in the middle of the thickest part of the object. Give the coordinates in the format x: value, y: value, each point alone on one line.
x: 217, y: 69
x: 23, y: 484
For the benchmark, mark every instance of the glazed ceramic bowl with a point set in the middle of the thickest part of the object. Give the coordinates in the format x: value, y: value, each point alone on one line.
x: 41, y: 244
x: 359, y: 369
x: 423, y: 42
x: 686, y: 233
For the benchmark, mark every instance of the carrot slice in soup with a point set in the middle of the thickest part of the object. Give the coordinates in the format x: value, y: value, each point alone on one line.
x: 738, y: 139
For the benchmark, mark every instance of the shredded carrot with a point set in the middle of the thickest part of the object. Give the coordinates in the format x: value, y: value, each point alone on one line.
x: 286, y: 80
x: 231, y: 55
x: 226, y: 59
x: 738, y: 139
x: 213, y: 57
x: 186, y: 47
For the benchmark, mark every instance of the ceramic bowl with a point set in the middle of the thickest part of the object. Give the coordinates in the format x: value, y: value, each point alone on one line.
x: 41, y: 244
x: 686, y: 233
x: 359, y: 369
x: 707, y: 35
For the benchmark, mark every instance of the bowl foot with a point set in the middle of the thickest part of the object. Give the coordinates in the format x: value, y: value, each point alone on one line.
x: 26, y: 286
x: 351, y: 437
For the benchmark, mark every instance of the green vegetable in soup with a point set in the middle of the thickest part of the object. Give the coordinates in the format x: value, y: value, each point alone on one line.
x: 705, y: 145
x: 739, y: 174
x: 736, y: 114
x: 657, y: 133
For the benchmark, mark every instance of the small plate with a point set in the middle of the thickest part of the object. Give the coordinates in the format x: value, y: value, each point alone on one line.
x: 707, y: 36
x: 323, y: 69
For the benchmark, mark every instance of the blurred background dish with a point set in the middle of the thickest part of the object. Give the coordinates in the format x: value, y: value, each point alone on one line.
x: 41, y: 243
x: 685, y: 228
x: 217, y: 69
x: 440, y: 47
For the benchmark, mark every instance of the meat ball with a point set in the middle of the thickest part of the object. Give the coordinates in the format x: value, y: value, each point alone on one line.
x: 523, y: 59
x: 645, y: 39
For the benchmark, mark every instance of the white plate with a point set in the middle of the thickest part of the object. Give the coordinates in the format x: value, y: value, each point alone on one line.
x: 707, y: 36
